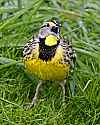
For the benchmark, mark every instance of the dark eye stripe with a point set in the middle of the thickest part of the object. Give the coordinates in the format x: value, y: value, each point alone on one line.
x: 54, y: 29
x: 48, y: 25
x: 45, y: 25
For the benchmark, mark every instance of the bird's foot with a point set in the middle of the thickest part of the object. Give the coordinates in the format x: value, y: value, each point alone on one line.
x: 34, y: 100
x: 30, y: 105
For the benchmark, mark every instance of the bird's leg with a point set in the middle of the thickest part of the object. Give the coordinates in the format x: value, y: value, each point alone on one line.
x: 62, y: 84
x: 34, y: 100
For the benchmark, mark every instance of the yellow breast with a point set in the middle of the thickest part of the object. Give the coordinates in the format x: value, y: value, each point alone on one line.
x: 47, y: 70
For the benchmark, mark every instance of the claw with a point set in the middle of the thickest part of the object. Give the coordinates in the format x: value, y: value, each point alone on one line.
x: 34, y: 100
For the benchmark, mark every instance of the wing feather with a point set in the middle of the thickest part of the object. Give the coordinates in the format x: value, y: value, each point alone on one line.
x: 69, y: 55
x: 31, y: 49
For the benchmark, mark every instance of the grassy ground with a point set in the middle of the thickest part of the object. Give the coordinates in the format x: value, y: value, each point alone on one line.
x: 80, y: 22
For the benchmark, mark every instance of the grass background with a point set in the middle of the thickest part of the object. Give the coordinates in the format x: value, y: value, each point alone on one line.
x: 80, y: 20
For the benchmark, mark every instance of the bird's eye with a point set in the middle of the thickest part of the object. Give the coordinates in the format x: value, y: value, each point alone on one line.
x: 54, y: 29
x: 48, y: 25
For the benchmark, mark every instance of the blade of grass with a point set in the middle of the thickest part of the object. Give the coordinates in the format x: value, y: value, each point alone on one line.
x: 67, y: 12
x: 20, y: 13
x: 8, y: 10
x: 4, y: 100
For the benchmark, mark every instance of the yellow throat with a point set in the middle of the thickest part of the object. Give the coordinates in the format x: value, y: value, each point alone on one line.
x: 51, y: 40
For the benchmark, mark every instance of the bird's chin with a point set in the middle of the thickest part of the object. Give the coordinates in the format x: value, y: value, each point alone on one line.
x: 57, y: 35
x: 45, y: 31
x: 43, y: 36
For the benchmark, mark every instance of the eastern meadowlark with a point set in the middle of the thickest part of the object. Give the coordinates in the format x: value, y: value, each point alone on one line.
x: 49, y: 56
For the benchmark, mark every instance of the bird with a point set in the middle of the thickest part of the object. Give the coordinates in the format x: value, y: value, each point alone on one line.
x: 49, y: 56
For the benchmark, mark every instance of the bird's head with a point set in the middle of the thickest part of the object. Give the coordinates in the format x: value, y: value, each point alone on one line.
x: 53, y: 25
x: 50, y: 33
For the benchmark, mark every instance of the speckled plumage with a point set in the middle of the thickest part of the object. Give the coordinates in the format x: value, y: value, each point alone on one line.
x: 38, y: 58
x: 48, y: 62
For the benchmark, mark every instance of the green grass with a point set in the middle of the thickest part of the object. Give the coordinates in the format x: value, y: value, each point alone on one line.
x: 80, y: 23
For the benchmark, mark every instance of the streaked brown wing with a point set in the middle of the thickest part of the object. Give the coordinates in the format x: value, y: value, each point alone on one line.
x: 31, y: 49
x: 68, y: 52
